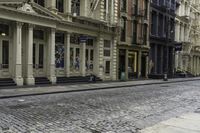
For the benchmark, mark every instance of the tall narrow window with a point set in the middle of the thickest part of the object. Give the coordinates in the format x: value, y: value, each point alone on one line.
x: 123, y: 29
x: 40, y: 2
x: 153, y: 23
x: 107, y: 67
x: 60, y: 5
x: 34, y: 58
x: 106, y: 4
x: 134, y: 32
x: 123, y: 5
x: 107, y: 48
x: 145, y: 34
x: 41, y: 55
x: 145, y: 9
x: 4, y: 30
x: 75, y: 7
x: 5, y: 54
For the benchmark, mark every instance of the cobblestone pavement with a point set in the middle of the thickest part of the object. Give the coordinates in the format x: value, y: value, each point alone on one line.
x: 120, y: 110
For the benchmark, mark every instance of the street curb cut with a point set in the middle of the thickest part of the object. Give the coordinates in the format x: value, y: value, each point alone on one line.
x: 92, y: 89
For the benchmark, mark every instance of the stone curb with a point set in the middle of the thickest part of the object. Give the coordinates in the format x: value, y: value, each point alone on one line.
x: 92, y: 89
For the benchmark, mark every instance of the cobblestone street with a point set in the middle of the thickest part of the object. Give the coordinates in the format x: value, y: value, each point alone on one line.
x: 119, y: 110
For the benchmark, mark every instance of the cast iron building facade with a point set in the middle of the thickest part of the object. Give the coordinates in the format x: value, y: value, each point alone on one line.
x: 162, y: 38
x: 133, y: 42
x: 188, y: 34
x: 51, y: 40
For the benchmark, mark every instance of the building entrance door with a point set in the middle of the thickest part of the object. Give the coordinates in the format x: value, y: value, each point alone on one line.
x: 89, y: 60
x: 38, y: 59
x: 4, y: 58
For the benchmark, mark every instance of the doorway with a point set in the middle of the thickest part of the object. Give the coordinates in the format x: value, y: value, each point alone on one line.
x: 38, y: 59
x: 4, y: 58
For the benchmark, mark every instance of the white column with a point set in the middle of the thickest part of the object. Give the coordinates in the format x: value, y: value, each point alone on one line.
x: 29, y: 56
x: 114, y: 58
x: 112, y: 11
x: 83, y: 63
x: 84, y: 8
x: 51, y: 56
x: 99, y: 55
x: 18, y: 54
x: 51, y: 4
x: 67, y: 54
x: 67, y: 6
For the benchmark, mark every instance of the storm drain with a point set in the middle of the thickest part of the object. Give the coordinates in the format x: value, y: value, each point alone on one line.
x: 22, y: 106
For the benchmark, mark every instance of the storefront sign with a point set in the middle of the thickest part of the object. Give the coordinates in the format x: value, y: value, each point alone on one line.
x: 83, y: 39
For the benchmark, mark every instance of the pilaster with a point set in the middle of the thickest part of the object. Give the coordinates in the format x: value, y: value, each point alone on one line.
x: 29, y: 56
x: 100, y: 66
x: 84, y: 8
x: 126, y: 64
x: 139, y: 63
x: 114, y: 58
x: 67, y: 6
x: 51, y: 5
x: 67, y: 54
x: 155, y: 58
x: 18, y: 54
x: 51, y: 56
x: 83, y: 58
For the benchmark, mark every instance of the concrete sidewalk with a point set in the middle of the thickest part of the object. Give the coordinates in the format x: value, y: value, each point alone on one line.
x: 41, y: 90
x: 188, y: 123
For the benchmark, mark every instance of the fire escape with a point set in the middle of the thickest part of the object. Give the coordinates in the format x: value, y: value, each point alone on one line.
x: 140, y: 16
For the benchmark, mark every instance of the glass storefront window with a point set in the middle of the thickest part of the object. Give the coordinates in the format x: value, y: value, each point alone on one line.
x: 59, y: 50
x: 75, y: 59
x: 71, y: 58
x: 5, y: 54
x: 89, y: 59
x: 132, y: 65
